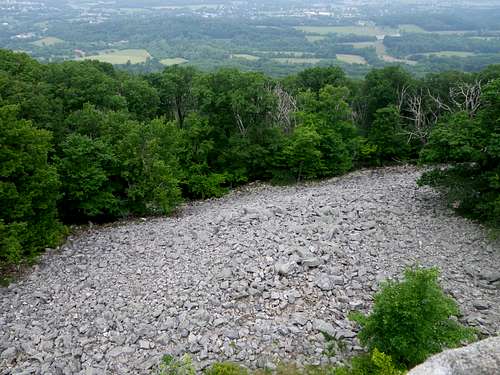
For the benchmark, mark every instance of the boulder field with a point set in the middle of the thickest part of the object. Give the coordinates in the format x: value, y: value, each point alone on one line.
x: 252, y: 277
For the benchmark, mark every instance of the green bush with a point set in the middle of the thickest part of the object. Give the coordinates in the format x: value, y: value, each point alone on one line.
x: 172, y: 366
x: 412, y: 319
x: 226, y: 368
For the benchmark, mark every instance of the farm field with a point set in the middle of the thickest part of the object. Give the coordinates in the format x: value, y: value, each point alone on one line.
x: 47, y: 41
x: 173, y: 61
x: 314, y: 38
x: 352, y: 59
x: 244, y: 56
x: 356, y: 30
x: 135, y: 56
x: 449, y: 54
x: 359, y: 45
x: 296, y: 60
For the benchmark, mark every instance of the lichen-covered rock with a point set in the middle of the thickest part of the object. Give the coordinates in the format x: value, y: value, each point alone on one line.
x: 480, y: 358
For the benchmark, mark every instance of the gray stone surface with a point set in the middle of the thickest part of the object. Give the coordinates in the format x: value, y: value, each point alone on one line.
x: 248, y: 277
x: 480, y: 358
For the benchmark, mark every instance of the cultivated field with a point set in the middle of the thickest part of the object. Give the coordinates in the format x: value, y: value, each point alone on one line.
x: 314, y: 38
x: 244, y: 56
x: 449, y: 54
x: 48, y: 41
x: 135, y: 56
x: 296, y: 60
x: 173, y: 61
x: 356, y: 30
x: 352, y: 59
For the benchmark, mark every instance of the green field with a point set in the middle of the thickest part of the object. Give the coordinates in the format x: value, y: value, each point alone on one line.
x: 173, y: 61
x: 408, y: 28
x: 449, y: 54
x: 135, y: 56
x: 357, y: 30
x: 48, y: 41
x: 296, y: 60
x: 244, y: 56
x: 351, y: 59
x: 314, y: 38
x: 359, y: 45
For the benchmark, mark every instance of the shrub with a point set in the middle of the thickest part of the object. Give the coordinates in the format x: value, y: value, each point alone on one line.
x: 226, y: 368
x: 412, y: 319
x: 172, y: 366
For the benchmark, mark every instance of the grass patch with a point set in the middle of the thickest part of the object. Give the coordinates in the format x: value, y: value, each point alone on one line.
x: 135, y: 56
x: 173, y: 61
x: 296, y: 60
x: 47, y: 42
x: 351, y: 59
x: 356, y: 30
x: 244, y: 56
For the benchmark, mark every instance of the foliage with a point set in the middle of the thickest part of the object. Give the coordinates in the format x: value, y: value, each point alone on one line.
x: 386, y: 135
x: 471, y: 144
x: 172, y: 366
x: 28, y: 190
x: 226, y: 368
x: 412, y: 319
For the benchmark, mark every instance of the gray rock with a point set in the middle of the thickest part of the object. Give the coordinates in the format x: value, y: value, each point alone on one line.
x: 120, y: 350
x: 323, y: 326
x: 480, y: 358
x: 481, y: 305
x: 312, y: 262
x: 324, y: 282
x: 284, y: 268
x: 9, y: 353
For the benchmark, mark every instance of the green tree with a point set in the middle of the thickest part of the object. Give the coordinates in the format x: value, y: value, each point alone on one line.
x: 386, y: 134
x: 302, y: 153
x: 29, y: 189
x: 472, y: 145
x: 86, y: 166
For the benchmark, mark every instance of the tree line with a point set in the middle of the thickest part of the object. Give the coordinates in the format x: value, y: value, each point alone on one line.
x: 82, y: 141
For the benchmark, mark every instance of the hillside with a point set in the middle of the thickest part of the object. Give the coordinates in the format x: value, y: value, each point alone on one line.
x: 250, y: 277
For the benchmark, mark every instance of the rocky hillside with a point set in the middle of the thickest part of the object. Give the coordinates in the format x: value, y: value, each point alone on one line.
x: 251, y: 277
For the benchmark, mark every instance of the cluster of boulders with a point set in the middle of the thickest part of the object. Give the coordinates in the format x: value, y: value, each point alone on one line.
x: 259, y: 275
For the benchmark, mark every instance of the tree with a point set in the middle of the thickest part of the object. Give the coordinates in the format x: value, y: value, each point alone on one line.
x: 303, y: 154
x: 28, y: 190
x: 382, y: 87
x: 473, y: 146
x: 175, y: 87
x: 386, y: 134
x: 86, y: 166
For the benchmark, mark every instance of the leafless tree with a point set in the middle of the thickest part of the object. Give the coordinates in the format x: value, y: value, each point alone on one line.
x: 286, y: 106
x: 412, y: 107
x: 467, y: 97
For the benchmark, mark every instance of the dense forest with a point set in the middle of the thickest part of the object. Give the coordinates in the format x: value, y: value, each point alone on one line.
x: 82, y: 141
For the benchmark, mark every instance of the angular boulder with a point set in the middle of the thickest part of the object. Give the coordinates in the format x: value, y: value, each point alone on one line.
x: 480, y: 358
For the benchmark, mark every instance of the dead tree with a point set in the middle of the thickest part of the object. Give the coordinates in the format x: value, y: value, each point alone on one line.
x: 414, y: 108
x: 286, y: 106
